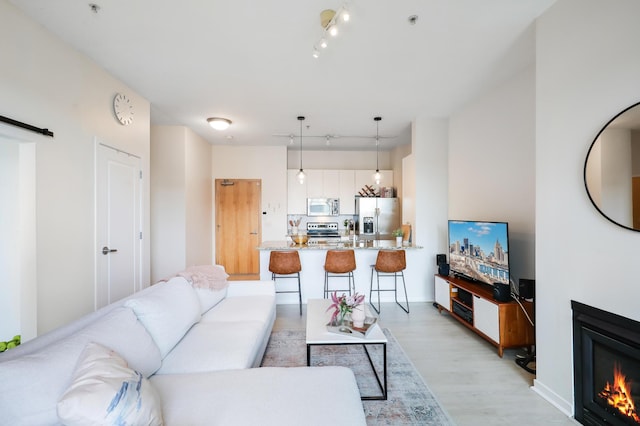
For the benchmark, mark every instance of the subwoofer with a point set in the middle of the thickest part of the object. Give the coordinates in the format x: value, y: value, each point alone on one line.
x: 501, y: 292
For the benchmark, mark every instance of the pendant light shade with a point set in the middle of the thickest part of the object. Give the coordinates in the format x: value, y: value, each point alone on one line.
x: 377, y: 177
x: 301, y: 174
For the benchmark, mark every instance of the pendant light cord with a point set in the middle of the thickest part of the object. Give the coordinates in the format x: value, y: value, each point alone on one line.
x: 301, y: 119
x: 377, y: 120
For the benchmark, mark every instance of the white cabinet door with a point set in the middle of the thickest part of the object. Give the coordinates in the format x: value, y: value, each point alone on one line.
x: 486, y: 318
x: 331, y: 183
x: 315, y: 188
x: 347, y: 192
x: 443, y: 294
x: 296, y: 193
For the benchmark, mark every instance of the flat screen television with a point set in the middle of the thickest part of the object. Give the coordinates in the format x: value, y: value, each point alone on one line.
x: 479, y: 251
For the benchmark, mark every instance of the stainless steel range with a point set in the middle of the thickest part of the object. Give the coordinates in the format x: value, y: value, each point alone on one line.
x: 321, y: 232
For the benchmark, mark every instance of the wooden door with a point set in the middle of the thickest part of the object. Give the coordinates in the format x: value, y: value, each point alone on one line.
x: 238, y: 227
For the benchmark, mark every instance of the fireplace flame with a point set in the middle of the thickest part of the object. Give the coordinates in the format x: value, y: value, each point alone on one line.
x: 618, y: 395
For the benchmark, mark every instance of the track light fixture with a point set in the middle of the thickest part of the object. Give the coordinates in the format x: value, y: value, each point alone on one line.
x: 301, y: 174
x: 377, y: 176
x: 330, y: 20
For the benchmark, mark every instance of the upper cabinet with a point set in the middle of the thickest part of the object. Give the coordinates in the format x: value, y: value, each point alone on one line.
x: 323, y: 183
x: 365, y: 177
x: 347, y: 191
x: 296, y: 193
x: 342, y: 184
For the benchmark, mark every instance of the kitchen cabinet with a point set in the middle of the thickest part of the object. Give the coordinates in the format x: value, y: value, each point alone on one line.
x: 323, y: 183
x: 365, y: 177
x: 347, y: 191
x: 296, y: 194
x: 319, y: 183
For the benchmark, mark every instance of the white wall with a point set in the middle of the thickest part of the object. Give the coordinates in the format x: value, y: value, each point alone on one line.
x: 429, y: 154
x: 168, y: 201
x: 266, y: 163
x: 181, y: 200
x: 46, y: 83
x: 347, y: 160
x: 587, y: 71
x: 492, y: 165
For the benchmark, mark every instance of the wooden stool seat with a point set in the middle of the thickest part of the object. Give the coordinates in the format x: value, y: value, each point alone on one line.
x: 339, y: 264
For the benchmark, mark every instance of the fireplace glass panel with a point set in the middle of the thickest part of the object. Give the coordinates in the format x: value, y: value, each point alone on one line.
x: 616, y: 383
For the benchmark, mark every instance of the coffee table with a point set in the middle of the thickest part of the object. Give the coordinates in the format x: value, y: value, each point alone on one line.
x: 318, y: 335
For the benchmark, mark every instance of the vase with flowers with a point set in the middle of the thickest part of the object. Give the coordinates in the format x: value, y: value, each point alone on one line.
x: 343, y: 306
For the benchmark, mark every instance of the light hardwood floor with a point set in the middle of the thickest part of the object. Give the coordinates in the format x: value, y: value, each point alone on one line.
x: 464, y: 372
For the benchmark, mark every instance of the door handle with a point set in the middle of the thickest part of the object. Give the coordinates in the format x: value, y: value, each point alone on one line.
x: 253, y: 233
x: 107, y: 250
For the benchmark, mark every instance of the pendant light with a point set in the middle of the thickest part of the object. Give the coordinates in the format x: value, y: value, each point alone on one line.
x: 301, y: 174
x: 377, y: 176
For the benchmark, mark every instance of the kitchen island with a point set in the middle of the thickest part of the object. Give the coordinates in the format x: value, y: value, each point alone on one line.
x: 312, y: 256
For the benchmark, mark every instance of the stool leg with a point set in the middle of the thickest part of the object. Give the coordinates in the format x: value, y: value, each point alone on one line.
x: 405, y: 291
x: 299, y: 294
x: 371, y: 291
x: 326, y: 285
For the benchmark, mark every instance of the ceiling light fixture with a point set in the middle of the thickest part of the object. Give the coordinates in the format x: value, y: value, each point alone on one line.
x: 329, y: 20
x: 377, y: 176
x: 301, y: 174
x: 219, y: 123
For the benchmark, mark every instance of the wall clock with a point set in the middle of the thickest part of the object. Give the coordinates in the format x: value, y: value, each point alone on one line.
x: 123, y: 108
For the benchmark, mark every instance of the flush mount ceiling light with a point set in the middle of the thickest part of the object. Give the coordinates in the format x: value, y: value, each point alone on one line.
x: 377, y: 175
x: 219, y: 123
x: 330, y: 20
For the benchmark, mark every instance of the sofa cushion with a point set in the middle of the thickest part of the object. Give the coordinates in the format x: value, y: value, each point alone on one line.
x: 211, y: 347
x: 245, y: 308
x: 45, y: 374
x: 310, y: 396
x: 167, y: 312
x: 105, y: 391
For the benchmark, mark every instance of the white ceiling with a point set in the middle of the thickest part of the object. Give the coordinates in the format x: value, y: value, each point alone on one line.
x: 251, y: 61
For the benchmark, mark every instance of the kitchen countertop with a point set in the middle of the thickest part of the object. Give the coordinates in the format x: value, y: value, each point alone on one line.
x: 359, y: 245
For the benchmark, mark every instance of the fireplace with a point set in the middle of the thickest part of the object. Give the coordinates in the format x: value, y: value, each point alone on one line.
x: 606, y: 365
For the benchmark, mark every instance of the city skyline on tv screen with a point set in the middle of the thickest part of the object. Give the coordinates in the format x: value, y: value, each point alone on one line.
x: 479, y: 250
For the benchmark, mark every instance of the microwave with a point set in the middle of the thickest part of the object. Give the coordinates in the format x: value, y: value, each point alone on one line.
x: 323, y: 206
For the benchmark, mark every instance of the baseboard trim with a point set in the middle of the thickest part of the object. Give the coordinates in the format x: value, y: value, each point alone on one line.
x: 553, y: 398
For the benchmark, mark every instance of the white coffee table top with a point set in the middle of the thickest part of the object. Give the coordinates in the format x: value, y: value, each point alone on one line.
x: 317, y: 333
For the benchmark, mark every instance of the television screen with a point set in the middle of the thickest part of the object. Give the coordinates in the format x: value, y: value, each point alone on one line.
x: 479, y: 251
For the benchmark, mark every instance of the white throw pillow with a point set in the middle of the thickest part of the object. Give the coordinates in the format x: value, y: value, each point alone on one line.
x: 105, y: 391
x: 167, y: 312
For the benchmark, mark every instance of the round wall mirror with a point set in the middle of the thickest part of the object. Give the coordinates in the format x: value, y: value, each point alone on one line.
x: 612, y: 169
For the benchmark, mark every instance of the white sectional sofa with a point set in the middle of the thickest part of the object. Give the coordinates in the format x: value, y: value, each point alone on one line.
x: 188, y: 351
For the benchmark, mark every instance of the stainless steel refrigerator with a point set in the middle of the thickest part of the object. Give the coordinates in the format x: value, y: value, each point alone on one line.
x: 378, y: 217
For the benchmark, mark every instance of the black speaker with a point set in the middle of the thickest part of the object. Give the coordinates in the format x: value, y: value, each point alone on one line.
x: 501, y: 292
x: 440, y: 259
x: 443, y: 269
x: 526, y: 288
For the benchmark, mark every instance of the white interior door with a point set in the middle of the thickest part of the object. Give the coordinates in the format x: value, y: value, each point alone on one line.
x: 118, y: 224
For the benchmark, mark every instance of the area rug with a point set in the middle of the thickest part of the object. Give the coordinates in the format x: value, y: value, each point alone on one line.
x: 409, y: 400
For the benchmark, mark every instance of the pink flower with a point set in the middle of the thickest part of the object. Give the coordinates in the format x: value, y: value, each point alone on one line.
x: 344, y: 304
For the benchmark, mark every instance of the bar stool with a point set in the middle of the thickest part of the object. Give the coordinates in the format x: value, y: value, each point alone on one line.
x: 339, y: 264
x: 284, y: 264
x: 389, y: 263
